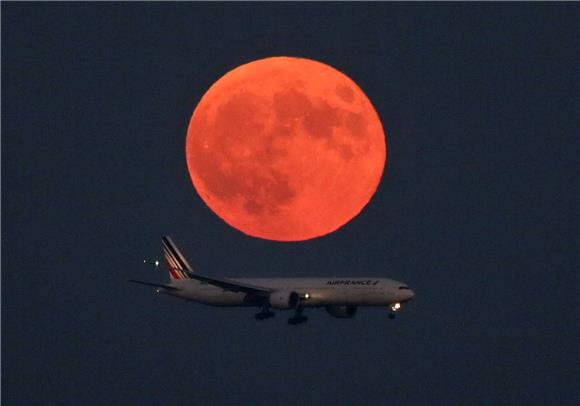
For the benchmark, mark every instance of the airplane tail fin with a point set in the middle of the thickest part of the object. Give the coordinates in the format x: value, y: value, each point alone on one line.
x: 178, y: 265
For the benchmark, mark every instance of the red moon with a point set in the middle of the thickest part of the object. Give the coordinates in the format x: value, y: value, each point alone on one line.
x: 285, y: 149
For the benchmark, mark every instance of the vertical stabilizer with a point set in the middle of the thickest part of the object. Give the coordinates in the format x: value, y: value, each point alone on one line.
x: 178, y: 265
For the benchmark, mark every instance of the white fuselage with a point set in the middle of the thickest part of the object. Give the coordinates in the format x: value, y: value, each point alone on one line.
x: 356, y: 291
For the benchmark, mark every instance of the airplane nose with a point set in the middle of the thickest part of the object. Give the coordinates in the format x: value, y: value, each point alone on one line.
x: 409, y: 294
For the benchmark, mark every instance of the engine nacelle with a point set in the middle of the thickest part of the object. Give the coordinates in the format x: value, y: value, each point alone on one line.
x: 342, y: 312
x: 284, y: 299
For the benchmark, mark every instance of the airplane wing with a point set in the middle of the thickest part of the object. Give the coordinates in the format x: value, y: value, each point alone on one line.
x: 178, y: 264
x: 231, y: 285
x: 155, y: 285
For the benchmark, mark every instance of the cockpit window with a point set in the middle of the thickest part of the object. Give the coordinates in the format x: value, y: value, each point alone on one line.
x: 404, y: 287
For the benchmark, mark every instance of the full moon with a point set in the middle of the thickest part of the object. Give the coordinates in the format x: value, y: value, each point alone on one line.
x: 285, y: 149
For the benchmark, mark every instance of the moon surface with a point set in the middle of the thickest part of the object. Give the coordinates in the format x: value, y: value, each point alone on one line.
x: 285, y: 149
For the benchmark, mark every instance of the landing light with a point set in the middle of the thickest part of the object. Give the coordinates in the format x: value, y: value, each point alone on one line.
x: 396, y: 307
x: 156, y: 263
x: 306, y: 296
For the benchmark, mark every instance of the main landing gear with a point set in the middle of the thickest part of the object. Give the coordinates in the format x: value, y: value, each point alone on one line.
x: 264, y: 314
x: 298, y: 317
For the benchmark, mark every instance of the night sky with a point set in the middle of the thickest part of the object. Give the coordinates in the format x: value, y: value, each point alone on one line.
x: 476, y: 210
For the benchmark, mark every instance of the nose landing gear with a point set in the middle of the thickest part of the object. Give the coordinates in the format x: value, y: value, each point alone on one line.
x: 395, y: 307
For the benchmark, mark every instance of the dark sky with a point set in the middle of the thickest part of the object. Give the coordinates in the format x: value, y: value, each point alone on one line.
x: 477, y: 208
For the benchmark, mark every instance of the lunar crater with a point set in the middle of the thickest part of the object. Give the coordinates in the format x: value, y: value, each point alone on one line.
x: 345, y: 93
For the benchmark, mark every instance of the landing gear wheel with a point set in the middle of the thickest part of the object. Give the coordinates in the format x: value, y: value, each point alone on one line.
x: 263, y: 315
x: 297, y: 320
x: 391, y: 316
x: 298, y: 317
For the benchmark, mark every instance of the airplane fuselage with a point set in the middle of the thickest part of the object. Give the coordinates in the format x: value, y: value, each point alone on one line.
x: 340, y: 296
x: 315, y: 292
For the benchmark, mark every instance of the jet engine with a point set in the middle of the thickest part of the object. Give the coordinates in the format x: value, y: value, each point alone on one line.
x: 342, y: 312
x: 284, y: 299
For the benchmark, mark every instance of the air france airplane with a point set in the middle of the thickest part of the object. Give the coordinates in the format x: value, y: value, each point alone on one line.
x: 339, y: 296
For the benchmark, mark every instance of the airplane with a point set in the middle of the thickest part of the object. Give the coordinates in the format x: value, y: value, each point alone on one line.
x: 341, y: 297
